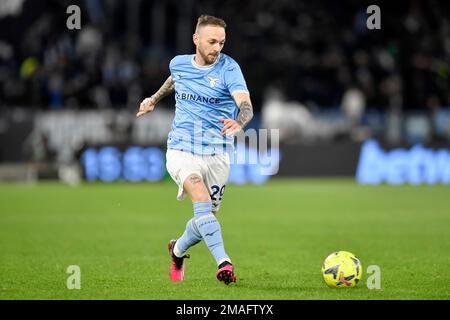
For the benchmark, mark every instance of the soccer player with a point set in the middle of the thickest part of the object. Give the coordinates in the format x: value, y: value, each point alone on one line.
x: 212, y: 105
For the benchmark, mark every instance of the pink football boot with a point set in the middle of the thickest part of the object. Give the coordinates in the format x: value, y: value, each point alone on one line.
x: 226, y: 273
x: 177, y: 267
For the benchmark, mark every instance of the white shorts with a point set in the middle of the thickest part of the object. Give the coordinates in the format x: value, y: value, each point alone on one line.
x: 213, y: 169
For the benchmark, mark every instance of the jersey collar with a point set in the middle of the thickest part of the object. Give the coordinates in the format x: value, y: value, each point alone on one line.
x: 204, y: 67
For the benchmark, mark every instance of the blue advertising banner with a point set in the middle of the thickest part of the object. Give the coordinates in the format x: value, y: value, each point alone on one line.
x: 417, y: 165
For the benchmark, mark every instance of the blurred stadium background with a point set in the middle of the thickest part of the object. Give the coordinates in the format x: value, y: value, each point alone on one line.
x: 372, y: 106
x: 314, y: 71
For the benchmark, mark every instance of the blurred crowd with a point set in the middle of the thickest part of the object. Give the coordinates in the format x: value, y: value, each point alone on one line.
x: 315, y: 52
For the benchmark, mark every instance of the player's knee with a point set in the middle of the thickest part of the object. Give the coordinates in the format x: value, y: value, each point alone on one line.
x: 196, y: 189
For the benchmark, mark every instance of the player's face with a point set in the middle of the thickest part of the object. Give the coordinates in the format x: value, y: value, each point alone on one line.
x: 209, y: 41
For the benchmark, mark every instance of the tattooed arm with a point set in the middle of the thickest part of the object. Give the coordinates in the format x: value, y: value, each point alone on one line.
x: 148, y: 104
x: 245, y: 113
x: 244, y: 116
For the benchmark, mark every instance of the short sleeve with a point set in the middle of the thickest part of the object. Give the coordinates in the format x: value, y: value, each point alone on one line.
x: 234, y: 79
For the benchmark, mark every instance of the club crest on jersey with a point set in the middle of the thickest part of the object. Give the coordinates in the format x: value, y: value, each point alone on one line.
x: 212, y: 81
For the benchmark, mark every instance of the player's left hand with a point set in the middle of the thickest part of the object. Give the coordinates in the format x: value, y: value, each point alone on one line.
x: 230, y: 127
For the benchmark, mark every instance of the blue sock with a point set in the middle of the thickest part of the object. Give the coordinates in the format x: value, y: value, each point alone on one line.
x: 190, y: 237
x: 209, y: 228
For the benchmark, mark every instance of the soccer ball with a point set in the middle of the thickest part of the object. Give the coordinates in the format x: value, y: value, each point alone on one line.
x: 341, y: 269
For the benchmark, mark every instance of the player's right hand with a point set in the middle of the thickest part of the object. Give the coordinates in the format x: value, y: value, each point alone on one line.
x: 147, y: 105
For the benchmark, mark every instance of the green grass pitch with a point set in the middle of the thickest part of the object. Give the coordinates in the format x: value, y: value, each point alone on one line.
x: 277, y: 234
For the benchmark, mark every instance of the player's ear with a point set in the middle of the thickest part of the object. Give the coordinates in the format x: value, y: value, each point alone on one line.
x: 195, y: 38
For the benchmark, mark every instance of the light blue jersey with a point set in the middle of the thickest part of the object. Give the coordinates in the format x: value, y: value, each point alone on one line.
x: 203, y: 95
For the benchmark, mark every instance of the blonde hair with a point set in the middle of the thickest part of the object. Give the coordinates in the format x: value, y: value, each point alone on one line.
x: 206, y: 20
